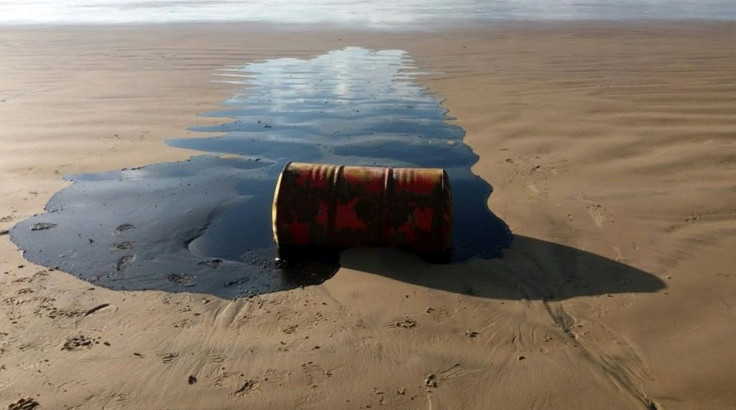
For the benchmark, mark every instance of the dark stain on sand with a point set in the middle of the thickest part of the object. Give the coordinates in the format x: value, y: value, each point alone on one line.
x: 204, y: 225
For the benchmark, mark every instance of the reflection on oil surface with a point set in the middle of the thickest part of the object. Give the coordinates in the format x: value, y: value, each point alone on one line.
x: 204, y: 225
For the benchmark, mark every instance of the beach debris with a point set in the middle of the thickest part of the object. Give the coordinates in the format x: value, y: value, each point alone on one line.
x: 192, y: 379
x: 182, y: 279
x: 4, y: 232
x: 521, y: 358
x: 430, y: 380
x: 120, y: 246
x: 692, y: 218
x: 169, y: 357
x: 42, y: 226
x: 470, y: 333
x: 77, y: 343
x: 406, y: 323
x: 96, y: 308
x: 24, y: 404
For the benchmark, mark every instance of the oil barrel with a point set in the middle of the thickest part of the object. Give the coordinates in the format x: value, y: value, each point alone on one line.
x: 346, y: 206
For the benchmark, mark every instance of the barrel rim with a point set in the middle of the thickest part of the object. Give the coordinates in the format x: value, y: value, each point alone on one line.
x: 274, y: 207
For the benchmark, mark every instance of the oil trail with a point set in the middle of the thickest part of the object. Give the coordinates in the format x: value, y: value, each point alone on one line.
x: 204, y: 225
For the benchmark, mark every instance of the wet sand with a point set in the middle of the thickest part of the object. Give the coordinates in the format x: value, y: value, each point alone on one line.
x: 610, y: 150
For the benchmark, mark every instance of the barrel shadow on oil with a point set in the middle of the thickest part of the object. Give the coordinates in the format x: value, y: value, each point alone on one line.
x: 204, y: 225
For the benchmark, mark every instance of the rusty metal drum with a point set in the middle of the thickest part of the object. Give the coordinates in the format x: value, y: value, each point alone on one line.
x: 345, y: 206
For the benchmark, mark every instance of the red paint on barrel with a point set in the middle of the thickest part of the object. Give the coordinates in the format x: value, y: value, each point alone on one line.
x: 323, y: 214
x: 300, y: 233
x: 423, y: 218
x: 352, y: 206
x: 346, y: 217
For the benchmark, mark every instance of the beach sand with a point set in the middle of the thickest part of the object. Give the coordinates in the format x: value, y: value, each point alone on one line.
x: 611, y: 149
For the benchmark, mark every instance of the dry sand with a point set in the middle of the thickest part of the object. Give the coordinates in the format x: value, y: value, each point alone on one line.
x: 611, y: 149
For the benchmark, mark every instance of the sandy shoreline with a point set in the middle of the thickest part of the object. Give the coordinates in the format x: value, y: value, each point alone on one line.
x: 610, y: 148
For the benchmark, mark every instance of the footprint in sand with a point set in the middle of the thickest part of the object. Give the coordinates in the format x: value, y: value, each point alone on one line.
x: 123, y: 245
x: 598, y: 213
x: 314, y: 373
x: 122, y: 228
x: 246, y: 388
x: 124, y: 261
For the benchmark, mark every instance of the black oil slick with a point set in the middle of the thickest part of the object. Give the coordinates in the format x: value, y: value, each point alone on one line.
x: 204, y: 225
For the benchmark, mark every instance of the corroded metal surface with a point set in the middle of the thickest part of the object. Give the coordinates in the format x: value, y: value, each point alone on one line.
x: 334, y: 205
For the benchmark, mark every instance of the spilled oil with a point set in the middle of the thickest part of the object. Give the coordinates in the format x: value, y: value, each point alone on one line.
x: 204, y: 225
